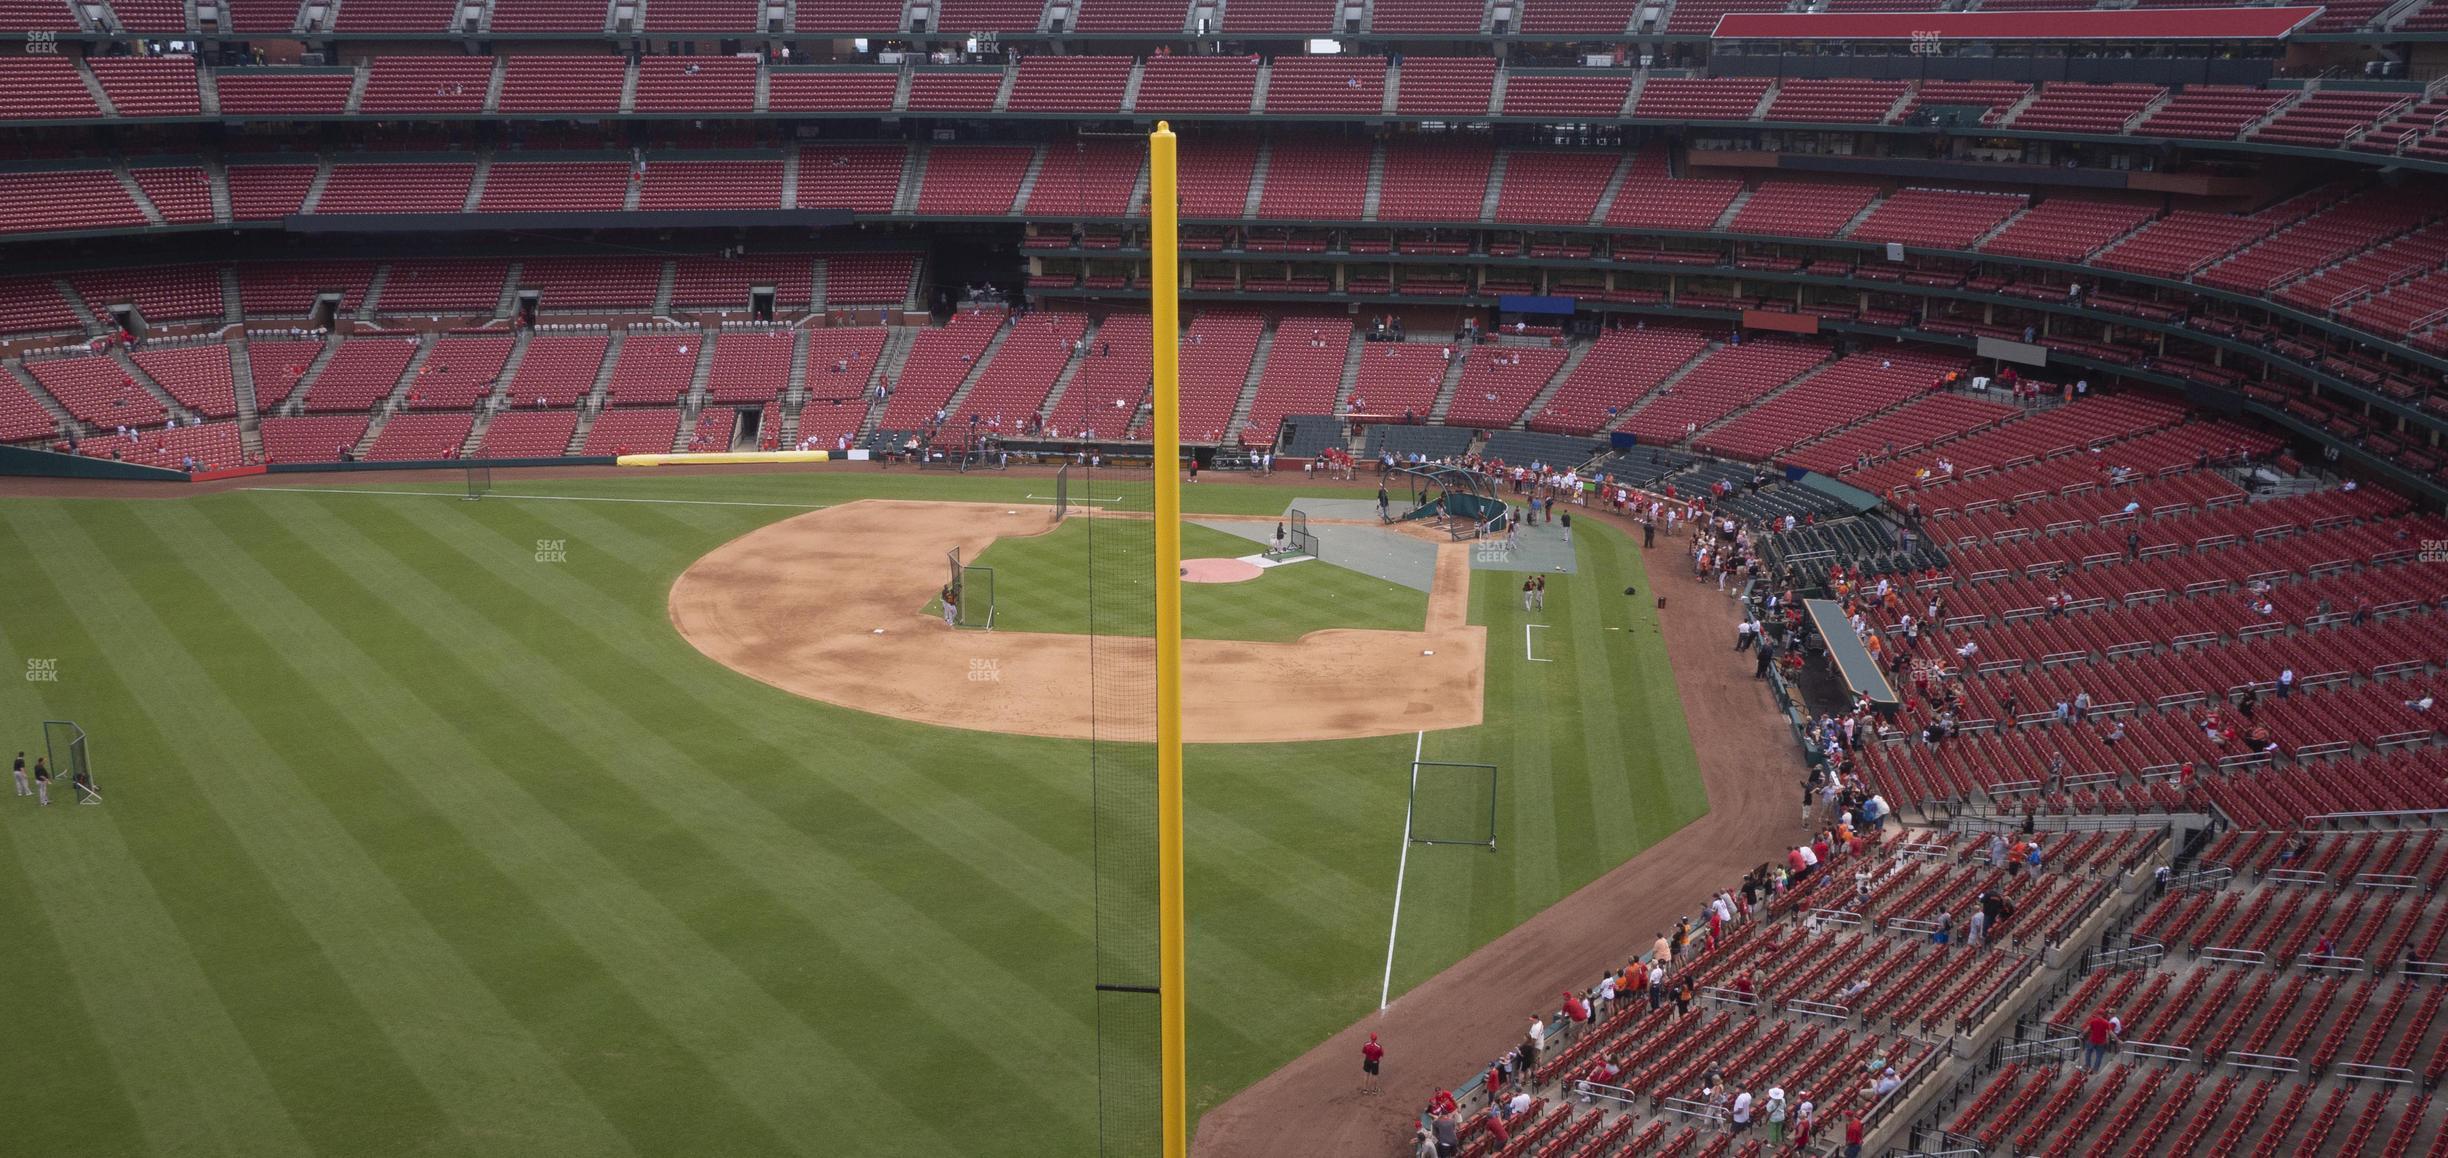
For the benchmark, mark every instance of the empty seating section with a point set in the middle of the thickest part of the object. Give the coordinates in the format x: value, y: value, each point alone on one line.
x: 2327, y: 237
x: 1215, y: 365
x: 32, y: 305
x: 319, y: 439
x: 577, y: 283
x: 213, y: 446
x: 2406, y: 307
x: 557, y: 370
x: 1131, y: 15
x: 1935, y: 418
x: 2066, y: 229
x: 726, y: 282
x: 43, y: 88
x: 528, y: 434
x: 1065, y: 84
x: 391, y: 188
x: 176, y: 293
x: 1984, y: 99
x: 1579, y: 15
x: 1433, y: 182
x: 1939, y: 218
x: 2327, y: 118
x: 21, y: 417
x: 264, y: 192
x: 973, y: 180
x: 1280, y: 16
x: 1499, y: 382
x: 1398, y: 378
x: 840, y: 360
x: 1014, y: 385
x: 272, y: 92
x: 1327, y: 84
x: 653, y: 368
x: 98, y: 391
x: 940, y: 359
x: 1109, y: 389
x: 1652, y: 198
x: 291, y: 289
x: 1699, y: 17
x: 442, y: 287
x: 459, y: 372
x: 704, y: 15
x: 989, y: 15
x: 824, y: 423
x: 420, y: 437
x: 426, y: 84
x: 948, y: 91
x: 1723, y: 382
x: 1849, y: 101
x: 1621, y: 367
x: 2075, y: 107
x: 749, y: 365
x: 37, y: 16
x: 688, y: 84
x: 66, y: 199
x: 850, y: 16
x: 2210, y: 112
x: 1837, y: 395
x: 860, y: 178
x: 1801, y: 208
x: 869, y: 279
x: 554, y: 187
x: 280, y: 366
x: 182, y: 194
x: 1315, y: 179
x: 258, y: 15
x: 1554, y: 188
x: 1434, y: 84
x: 149, y: 86
x: 2400, y: 261
x: 1564, y: 95
x: 1676, y: 98
x: 830, y: 90
x: 1092, y: 178
x: 1196, y: 84
x: 1215, y: 180
x: 676, y: 185
x: 362, y: 372
x: 1303, y: 371
x: 648, y: 431
x: 1449, y: 16
x: 397, y: 16
x: 151, y: 15
x: 552, y: 84
x: 552, y: 15
x: 2180, y: 243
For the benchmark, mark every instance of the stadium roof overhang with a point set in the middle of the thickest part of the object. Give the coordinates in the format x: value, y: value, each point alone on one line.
x: 2081, y: 24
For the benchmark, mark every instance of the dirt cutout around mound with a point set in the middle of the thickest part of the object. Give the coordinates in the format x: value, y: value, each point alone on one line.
x: 797, y: 604
x: 1446, y: 1029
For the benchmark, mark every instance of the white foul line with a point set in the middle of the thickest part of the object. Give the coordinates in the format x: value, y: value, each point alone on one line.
x: 1526, y: 637
x: 1387, y: 988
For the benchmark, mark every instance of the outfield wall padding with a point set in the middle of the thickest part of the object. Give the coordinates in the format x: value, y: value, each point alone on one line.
x: 440, y: 464
x: 28, y: 462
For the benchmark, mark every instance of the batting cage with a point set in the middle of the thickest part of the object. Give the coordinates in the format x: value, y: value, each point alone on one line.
x: 1453, y: 803
x: 1302, y: 541
x: 479, y: 481
x: 64, y: 743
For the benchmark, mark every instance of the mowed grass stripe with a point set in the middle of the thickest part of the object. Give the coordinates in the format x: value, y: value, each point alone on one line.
x: 541, y: 819
x: 913, y: 957
x: 183, y: 1046
x: 513, y: 1096
x: 935, y: 798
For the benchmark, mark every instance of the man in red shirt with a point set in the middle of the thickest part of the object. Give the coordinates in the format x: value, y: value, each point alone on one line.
x: 1853, y: 1135
x: 1370, y: 1054
x: 2096, y: 1034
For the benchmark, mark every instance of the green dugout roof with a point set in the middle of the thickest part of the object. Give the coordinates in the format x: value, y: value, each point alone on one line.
x: 1853, y: 662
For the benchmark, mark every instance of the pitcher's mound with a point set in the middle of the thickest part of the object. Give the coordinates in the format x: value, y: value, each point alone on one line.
x: 1219, y: 571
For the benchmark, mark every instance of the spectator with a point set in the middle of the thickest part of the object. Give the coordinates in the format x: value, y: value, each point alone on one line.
x: 2097, y: 1034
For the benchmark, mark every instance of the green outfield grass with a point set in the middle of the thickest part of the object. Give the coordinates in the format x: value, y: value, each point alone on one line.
x: 420, y: 843
x: 1038, y: 587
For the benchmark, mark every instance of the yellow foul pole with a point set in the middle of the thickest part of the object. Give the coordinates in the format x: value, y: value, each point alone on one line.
x: 1164, y: 246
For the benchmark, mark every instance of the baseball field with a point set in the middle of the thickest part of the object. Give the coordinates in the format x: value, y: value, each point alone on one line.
x: 536, y: 826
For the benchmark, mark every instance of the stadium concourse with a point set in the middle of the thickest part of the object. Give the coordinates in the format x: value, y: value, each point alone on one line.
x: 2031, y: 413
